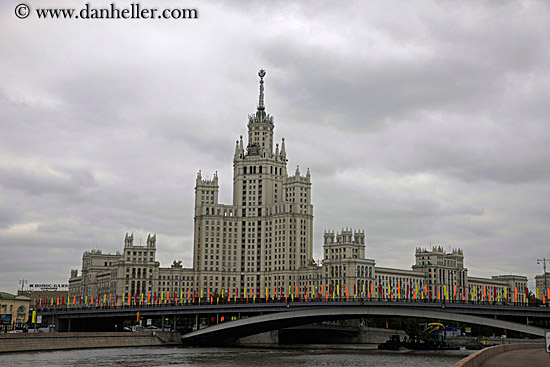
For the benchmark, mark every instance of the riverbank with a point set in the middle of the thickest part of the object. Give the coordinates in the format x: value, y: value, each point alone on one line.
x: 25, y: 342
x: 506, y: 355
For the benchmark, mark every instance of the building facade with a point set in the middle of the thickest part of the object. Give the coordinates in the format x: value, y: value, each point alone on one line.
x: 14, y: 310
x: 262, y: 244
x: 264, y: 239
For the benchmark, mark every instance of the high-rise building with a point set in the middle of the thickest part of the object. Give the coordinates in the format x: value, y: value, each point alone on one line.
x: 262, y: 244
x: 265, y: 237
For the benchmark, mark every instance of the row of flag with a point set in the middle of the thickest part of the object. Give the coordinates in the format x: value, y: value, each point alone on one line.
x: 444, y: 293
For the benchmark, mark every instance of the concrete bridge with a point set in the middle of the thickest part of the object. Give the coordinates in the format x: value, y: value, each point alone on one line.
x: 254, y: 318
x: 228, y: 332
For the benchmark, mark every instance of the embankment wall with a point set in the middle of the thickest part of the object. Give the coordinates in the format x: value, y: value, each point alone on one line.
x: 55, y: 341
x: 476, y: 359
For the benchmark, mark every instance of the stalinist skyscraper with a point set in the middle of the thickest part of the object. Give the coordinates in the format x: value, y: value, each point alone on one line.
x: 265, y: 238
x: 262, y: 244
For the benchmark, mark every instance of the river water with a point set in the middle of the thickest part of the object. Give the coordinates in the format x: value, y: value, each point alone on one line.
x: 318, y: 356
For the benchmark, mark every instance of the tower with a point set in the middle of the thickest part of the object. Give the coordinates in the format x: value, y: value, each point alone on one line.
x: 265, y: 238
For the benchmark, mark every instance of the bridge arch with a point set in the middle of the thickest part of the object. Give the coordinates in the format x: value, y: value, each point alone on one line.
x: 229, y: 332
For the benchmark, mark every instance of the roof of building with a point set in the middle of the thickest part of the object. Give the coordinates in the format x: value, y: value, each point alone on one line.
x: 6, y: 295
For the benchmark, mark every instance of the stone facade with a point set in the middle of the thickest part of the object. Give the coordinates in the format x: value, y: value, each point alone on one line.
x: 14, y: 310
x: 541, y: 284
x: 262, y: 244
x: 265, y: 238
x: 134, y: 271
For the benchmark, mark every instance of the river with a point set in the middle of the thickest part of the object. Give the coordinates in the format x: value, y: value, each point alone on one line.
x: 318, y: 356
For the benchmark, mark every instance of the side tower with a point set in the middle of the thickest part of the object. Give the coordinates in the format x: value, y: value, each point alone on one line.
x: 441, y: 268
x: 344, y: 263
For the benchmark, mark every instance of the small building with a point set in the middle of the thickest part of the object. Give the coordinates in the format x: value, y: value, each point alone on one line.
x: 14, y: 311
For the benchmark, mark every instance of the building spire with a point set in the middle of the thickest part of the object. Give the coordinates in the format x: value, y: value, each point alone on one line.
x: 283, y: 151
x: 261, y: 74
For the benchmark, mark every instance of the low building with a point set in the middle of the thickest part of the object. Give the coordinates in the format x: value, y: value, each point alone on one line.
x: 14, y: 311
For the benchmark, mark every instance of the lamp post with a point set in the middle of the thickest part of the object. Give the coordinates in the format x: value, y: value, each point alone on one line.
x: 23, y: 282
x: 544, y: 261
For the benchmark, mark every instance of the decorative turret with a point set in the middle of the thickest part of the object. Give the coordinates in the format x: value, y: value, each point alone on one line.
x: 151, y: 240
x: 283, y: 151
x: 199, y: 177
x: 329, y: 236
x: 129, y: 240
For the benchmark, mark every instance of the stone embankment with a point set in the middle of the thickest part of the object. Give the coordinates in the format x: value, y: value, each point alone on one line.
x: 477, y: 359
x: 55, y: 341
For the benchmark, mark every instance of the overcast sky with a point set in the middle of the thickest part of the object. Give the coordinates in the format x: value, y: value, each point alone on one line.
x: 421, y: 122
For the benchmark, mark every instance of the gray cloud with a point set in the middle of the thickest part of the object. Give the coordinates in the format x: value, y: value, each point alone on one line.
x: 421, y: 123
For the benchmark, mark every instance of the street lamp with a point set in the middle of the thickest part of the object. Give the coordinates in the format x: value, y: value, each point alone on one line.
x: 544, y: 261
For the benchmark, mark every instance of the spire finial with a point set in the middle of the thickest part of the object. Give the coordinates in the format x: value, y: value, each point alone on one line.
x: 261, y: 105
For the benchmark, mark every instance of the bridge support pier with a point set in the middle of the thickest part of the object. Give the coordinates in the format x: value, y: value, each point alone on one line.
x: 197, y: 321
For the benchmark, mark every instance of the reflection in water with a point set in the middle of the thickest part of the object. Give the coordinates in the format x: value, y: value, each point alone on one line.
x: 317, y: 356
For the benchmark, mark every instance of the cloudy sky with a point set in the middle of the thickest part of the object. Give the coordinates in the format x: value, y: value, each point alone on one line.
x: 421, y: 122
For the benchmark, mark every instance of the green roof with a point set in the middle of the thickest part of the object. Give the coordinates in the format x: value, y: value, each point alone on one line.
x: 5, y: 295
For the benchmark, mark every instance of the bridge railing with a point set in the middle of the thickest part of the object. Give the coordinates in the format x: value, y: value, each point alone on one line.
x: 153, y: 300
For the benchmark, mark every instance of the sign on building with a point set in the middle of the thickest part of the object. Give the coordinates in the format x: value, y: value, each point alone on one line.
x: 5, y: 319
x: 48, y: 287
x: 548, y: 341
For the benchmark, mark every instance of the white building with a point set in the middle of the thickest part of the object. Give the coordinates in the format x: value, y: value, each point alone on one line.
x: 262, y: 243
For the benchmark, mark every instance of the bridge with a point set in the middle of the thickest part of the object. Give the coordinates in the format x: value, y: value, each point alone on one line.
x: 230, y: 321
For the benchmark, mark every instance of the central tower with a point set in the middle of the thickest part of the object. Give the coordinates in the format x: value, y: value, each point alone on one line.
x: 265, y: 239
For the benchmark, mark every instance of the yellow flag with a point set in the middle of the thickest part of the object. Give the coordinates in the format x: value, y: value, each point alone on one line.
x: 34, y: 317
